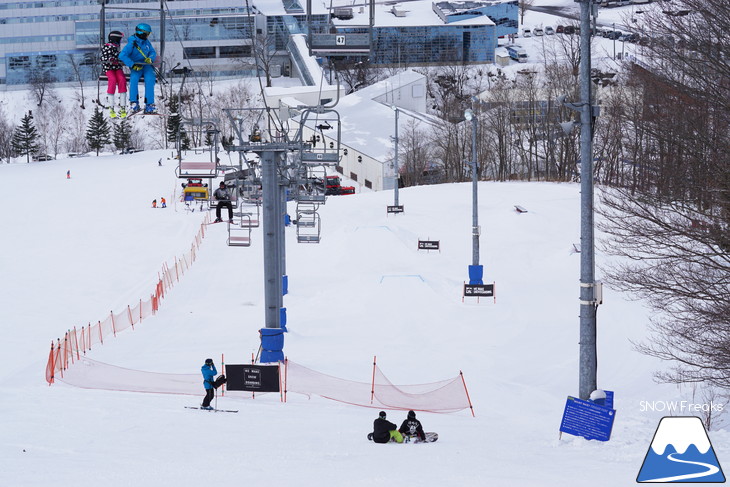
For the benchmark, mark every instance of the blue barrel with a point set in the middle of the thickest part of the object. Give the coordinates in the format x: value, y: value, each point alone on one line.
x: 272, y: 345
x: 282, y: 319
x: 284, y: 285
x: 476, y: 273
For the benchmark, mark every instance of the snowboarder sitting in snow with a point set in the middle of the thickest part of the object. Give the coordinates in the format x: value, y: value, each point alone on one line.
x: 384, y: 430
x: 116, y: 83
x: 154, y: 203
x: 139, y: 55
x: 412, y: 427
x: 224, y: 201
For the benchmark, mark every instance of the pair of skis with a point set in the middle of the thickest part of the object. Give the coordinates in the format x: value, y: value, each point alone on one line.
x: 213, y: 410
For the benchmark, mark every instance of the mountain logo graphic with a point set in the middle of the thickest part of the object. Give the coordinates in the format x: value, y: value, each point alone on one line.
x: 680, y: 452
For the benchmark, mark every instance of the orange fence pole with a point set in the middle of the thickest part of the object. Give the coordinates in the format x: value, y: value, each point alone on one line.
x: 76, y: 338
x: 467, y: 393
x: 114, y: 328
x: 101, y: 335
x: 286, y: 376
x: 372, y: 388
x: 50, y: 366
x: 131, y: 320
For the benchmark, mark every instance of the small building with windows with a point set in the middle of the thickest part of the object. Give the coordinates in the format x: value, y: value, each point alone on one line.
x: 368, y: 125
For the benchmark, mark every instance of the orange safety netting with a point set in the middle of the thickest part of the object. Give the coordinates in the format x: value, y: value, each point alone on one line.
x: 446, y: 396
x: 64, y: 352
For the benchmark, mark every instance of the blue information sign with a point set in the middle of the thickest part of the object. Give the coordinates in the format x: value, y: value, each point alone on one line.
x: 587, y: 419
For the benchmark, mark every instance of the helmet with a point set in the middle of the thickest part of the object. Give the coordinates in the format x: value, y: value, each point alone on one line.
x: 209, y: 361
x: 382, y: 414
x: 411, y: 415
x: 115, y: 36
x: 142, y: 30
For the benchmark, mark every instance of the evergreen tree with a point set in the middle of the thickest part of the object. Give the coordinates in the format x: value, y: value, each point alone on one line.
x: 25, y: 137
x: 122, y: 134
x: 98, y: 131
x: 174, y: 125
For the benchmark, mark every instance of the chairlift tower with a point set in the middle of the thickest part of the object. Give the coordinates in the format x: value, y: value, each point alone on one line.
x: 287, y: 162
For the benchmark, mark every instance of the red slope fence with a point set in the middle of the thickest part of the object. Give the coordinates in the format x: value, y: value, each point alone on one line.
x: 445, y: 396
x: 75, y: 342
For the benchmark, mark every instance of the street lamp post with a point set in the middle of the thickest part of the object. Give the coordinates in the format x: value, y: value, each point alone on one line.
x: 395, y: 162
x: 475, y: 270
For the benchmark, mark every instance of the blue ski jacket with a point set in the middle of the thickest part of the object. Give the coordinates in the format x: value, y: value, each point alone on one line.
x: 130, y: 55
x: 209, y: 373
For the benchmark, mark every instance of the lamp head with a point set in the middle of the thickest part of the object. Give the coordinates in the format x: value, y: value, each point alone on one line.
x: 468, y: 114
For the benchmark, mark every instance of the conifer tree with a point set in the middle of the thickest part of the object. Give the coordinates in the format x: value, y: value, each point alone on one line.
x: 122, y: 134
x: 174, y: 125
x: 25, y: 137
x: 98, y: 131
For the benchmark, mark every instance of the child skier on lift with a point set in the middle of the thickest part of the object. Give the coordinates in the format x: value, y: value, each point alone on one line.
x: 116, y: 83
x: 139, y: 55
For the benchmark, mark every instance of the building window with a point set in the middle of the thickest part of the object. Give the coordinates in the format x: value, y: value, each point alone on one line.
x: 353, y: 176
x: 235, y: 51
x: 199, y: 52
x: 368, y: 184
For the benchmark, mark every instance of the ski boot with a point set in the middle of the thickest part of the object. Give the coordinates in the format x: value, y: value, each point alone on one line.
x: 150, y: 108
x: 122, y: 112
x: 112, y: 113
x: 134, y: 106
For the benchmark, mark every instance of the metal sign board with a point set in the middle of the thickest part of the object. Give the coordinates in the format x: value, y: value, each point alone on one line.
x: 428, y: 245
x: 252, y: 378
x: 342, y: 44
x: 479, y: 290
x: 587, y: 419
x: 395, y: 209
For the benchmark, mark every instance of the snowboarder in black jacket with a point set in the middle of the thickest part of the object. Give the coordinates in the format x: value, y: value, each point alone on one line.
x: 384, y: 430
x: 412, y: 427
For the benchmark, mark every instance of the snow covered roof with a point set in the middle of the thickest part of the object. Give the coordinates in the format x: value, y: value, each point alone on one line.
x: 411, y: 13
x: 367, y: 120
x: 279, y: 7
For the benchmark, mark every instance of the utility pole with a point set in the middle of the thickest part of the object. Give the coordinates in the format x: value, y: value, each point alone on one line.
x: 588, y: 361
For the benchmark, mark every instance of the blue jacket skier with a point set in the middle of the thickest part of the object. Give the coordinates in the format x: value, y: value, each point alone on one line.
x: 139, y: 55
x: 209, y: 372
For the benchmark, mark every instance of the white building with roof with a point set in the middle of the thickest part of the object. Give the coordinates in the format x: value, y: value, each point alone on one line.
x: 367, y: 125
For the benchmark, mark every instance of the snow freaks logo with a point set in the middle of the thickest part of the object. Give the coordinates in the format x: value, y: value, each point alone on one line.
x: 680, y: 452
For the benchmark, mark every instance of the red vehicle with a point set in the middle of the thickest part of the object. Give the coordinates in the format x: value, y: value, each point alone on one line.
x: 333, y: 186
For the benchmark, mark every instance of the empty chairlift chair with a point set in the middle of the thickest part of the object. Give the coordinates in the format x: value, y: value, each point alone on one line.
x: 240, y: 235
x: 308, y: 223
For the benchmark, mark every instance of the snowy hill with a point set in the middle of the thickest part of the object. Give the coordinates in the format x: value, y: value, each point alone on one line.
x: 80, y: 248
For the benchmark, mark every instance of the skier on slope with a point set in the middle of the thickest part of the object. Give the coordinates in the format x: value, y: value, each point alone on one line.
x: 412, y: 427
x: 209, y: 371
x: 116, y: 82
x: 139, y: 55
x: 384, y: 430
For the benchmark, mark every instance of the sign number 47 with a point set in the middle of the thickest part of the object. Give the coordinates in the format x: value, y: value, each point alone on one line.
x: 340, y: 40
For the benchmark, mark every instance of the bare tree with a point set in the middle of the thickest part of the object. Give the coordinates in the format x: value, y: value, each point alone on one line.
x: 41, y: 82
x: 6, y: 136
x: 673, y: 229
x: 524, y: 6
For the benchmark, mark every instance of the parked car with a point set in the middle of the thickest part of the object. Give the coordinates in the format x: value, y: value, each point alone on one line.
x: 43, y: 157
x: 537, y: 31
x: 549, y: 31
x: 560, y: 29
x: 526, y: 33
x: 130, y: 150
x: 569, y: 29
